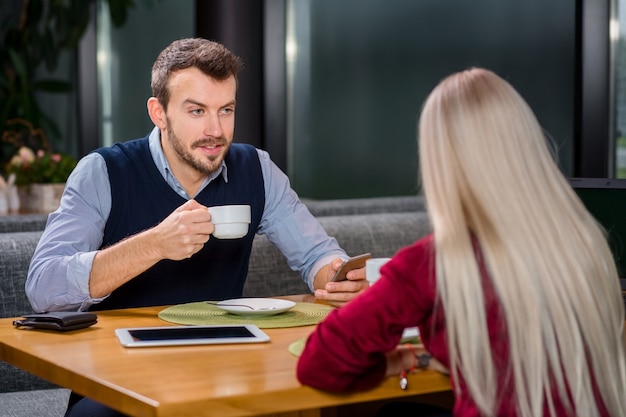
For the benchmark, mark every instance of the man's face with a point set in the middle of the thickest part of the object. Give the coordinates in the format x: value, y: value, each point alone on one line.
x: 200, y: 120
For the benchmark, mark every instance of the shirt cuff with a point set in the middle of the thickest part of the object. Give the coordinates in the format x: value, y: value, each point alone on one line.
x: 319, y: 265
x: 78, y: 272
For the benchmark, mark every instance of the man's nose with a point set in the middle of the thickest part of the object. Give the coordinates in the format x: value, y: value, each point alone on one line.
x: 213, y: 126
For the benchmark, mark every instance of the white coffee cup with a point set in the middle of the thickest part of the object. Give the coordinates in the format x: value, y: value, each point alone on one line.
x: 372, y: 268
x: 230, y: 221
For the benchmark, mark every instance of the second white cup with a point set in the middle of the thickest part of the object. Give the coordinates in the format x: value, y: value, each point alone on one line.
x: 372, y: 268
x: 231, y: 221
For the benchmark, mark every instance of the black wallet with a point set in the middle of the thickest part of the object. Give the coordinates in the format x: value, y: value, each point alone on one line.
x: 59, y: 320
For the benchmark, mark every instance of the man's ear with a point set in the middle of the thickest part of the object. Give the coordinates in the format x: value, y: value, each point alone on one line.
x: 156, y: 112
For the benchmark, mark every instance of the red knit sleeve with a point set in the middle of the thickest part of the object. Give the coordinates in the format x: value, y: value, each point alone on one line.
x: 347, y: 351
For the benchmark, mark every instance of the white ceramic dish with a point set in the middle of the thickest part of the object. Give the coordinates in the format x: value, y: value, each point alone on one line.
x: 255, y: 306
x: 230, y: 230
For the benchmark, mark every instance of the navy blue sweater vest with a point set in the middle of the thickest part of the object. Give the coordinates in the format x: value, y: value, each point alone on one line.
x: 141, y: 199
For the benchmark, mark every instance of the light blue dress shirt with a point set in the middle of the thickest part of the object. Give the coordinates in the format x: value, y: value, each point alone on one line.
x: 58, y: 278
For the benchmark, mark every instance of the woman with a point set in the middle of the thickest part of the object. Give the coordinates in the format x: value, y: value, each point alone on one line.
x: 515, y: 291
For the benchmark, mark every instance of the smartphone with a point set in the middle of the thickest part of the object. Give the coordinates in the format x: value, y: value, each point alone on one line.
x: 351, y: 263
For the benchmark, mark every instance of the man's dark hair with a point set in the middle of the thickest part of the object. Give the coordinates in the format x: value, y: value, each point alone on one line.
x: 212, y: 58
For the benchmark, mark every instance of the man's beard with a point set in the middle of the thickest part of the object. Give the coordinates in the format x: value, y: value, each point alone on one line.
x: 207, y: 165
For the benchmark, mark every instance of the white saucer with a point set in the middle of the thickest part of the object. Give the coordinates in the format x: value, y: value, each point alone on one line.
x: 255, y: 306
x: 410, y: 333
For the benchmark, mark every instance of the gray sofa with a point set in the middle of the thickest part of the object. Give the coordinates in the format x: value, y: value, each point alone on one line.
x: 22, y: 223
x: 382, y: 234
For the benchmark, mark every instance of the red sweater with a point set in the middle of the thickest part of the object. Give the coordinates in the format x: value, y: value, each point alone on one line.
x: 347, y: 350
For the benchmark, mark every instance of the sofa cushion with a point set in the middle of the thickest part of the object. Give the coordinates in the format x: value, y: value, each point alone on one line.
x: 38, y: 403
x: 380, y: 234
x: 269, y: 274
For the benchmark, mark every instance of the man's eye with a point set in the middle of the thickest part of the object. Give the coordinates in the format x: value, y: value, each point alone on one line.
x: 228, y: 110
x: 197, y: 112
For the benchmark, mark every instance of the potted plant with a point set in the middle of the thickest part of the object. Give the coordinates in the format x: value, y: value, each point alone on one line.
x: 38, y: 172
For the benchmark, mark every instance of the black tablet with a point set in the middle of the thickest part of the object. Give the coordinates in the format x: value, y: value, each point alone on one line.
x: 190, y: 335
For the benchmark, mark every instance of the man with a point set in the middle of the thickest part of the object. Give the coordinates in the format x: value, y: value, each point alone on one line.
x: 133, y: 227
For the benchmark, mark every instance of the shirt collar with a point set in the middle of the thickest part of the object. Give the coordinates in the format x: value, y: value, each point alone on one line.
x: 154, y: 141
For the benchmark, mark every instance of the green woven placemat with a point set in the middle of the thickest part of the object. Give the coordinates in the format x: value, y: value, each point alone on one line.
x: 297, y: 347
x: 202, y: 313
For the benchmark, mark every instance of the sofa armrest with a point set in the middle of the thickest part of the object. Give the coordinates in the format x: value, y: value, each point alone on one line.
x: 16, y: 250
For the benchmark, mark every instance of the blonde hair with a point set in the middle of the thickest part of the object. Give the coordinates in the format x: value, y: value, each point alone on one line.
x: 490, y: 181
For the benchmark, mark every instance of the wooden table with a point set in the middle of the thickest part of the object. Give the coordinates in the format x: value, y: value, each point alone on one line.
x: 215, y: 380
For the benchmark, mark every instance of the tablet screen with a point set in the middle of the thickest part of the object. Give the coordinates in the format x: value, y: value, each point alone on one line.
x: 193, y: 333
x: 187, y: 335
